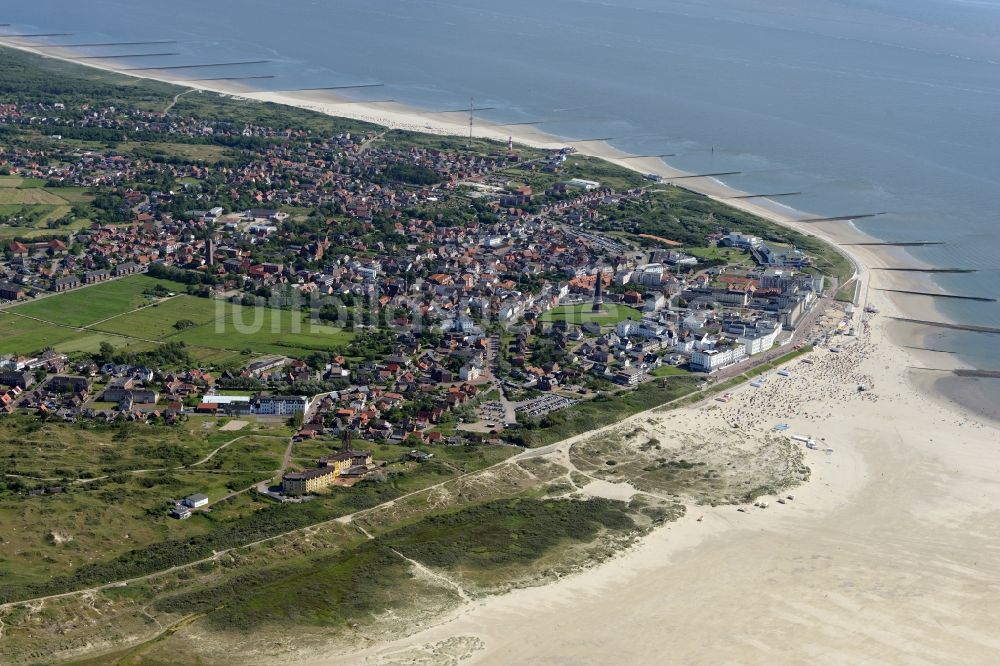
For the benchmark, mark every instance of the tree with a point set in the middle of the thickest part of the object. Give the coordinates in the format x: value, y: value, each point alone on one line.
x: 106, y: 352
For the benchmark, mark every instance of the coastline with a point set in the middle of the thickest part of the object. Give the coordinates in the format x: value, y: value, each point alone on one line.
x: 400, y: 116
x: 395, y: 115
x: 844, y: 566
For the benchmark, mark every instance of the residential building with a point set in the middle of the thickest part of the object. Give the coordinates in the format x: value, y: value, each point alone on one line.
x: 628, y: 376
x: 280, y: 405
x: 759, y: 337
x: 308, y: 481
x: 470, y: 372
x: 18, y: 378
x: 65, y: 283
x: 650, y: 275
x: 717, y: 357
x: 195, y: 501
x: 742, y: 241
x: 11, y: 292
x: 69, y: 383
x: 92, y: 277
x: 118, y: 387
x: 263, y: 365
x: 583, y: 184
x: 342, y: 461
x: 126, y: 268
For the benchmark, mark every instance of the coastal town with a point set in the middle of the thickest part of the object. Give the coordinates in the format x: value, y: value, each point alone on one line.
x: 231, y: 335
x: 469, y: 304
x: 477, y: 333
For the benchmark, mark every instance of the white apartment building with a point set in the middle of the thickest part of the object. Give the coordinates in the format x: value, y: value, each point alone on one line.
x: 281, y: 405
x: 759, y: 339
x: 715, y: 358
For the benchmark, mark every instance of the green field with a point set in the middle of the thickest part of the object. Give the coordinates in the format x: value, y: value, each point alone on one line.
x: 484, y: 544
x: 847, y: 292
x: 84, y: 307
x: 29, y: 196
x: 447, y: 459
x: 137, y: 469
x: 729, y: 255
x: 119, y: 313
x: 91, y: 343
x: 186, y: 151
x: 71, y: 194
x: 21, y: 335
x: 224, y: 326
x: 156, y: 322
x: 7, y: 182
x: 264, y: 331
x: 31, y: 207
x: 252, y: 453
x: 669, y: 371
x: 611, y: 314
x: 29, y: 233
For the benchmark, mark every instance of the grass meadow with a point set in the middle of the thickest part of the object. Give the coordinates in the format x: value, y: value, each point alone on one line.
x: 610, y: 314
x: 118, y: 312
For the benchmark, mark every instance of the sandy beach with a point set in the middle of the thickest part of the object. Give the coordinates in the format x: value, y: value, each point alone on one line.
x: 889, y: 554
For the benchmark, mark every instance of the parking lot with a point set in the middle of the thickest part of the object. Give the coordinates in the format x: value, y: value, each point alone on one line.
x: 543, y: 405
x: 492, y: 412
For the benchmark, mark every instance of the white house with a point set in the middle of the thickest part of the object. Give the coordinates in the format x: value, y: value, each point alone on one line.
x: 642, y: 328
x: 628, y: 376
x: 742, y: 241
x: 650, y: 275
x: 762, y: 338
x: 195, y: 501
x: 712, y: 359
x: 470, y: 372
x: 654, y: 302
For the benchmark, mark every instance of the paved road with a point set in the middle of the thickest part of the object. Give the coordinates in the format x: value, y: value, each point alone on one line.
x: 492, y: 362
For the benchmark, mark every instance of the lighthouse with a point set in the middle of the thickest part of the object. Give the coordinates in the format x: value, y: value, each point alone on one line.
x: 598, y: 305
